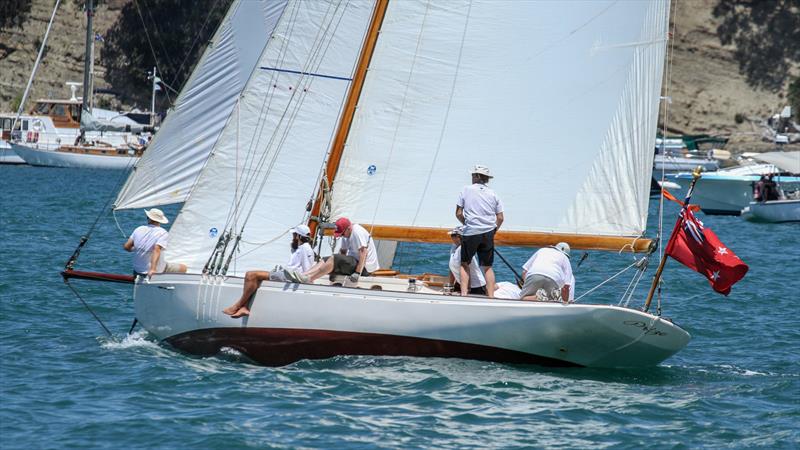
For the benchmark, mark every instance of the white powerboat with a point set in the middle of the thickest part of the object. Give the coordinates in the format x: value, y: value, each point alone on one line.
x: 775, y: 211
x: 728, y: 191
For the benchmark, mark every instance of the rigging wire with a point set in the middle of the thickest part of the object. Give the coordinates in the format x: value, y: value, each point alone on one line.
x: 279, y: 136
x: 194, y: 42
x: 86, y: 305
x: 446, y: 115
x: 399, y: 116
x: 149, y: 42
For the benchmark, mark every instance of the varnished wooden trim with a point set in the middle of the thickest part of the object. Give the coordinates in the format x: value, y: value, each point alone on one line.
x: 514, y: 238
x: 337, y: 148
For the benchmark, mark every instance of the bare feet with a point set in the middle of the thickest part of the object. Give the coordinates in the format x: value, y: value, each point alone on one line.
x: 231, y: 310
x: 243, y: 311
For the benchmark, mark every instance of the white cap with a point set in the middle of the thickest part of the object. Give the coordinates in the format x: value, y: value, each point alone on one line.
x: 156, y: 215
x: 481, y: 170
x: 563, y: 247
x: 302, y: 230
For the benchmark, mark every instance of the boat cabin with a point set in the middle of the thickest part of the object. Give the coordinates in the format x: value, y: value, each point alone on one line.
x: 63, y: 113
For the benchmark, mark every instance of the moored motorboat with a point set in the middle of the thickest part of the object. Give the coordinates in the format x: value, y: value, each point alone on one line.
x: 728, y: 191
x: 775, y: 211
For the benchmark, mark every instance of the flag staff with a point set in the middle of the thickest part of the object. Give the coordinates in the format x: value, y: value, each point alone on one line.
x: 695, y: 176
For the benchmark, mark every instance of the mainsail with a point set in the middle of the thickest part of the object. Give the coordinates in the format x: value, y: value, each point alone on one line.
x: 174, y: 158
x: 265, y: 166
x: 560, y: 99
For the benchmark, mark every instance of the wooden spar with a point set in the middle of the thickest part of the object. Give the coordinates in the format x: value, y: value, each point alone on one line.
x: 97, y: 276
x: 337, y: 148
x: 513, y: 238
x: 657, y: 277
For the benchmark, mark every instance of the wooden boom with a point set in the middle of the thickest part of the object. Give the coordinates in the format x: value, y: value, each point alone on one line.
x: 513, y: 238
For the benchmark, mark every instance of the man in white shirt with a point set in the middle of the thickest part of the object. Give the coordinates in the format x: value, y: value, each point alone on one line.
x: 481, y: 212
x: 302, y: 259
x: 548, y: 275
x: 146, y: 242
x: 477, y: 283
x: 357, y: 256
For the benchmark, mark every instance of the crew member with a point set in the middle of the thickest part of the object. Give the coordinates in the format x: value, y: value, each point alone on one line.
x: 481, y: 212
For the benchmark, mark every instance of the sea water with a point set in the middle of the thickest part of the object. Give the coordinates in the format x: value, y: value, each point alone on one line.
x: 66, y: 384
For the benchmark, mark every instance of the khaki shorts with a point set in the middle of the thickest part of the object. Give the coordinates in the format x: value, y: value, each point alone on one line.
x: 544, y: 287
x: 172, y: 268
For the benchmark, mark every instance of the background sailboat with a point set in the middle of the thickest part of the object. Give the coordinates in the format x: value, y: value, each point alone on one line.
x: 444, y: 85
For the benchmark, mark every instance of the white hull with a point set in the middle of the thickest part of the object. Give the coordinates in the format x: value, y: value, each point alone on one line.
x: 680, y: 164
x: 289, y: 322
x: 776, y: 211
x: 727, y: 194
x: 7, y: 156
x: 51, y: 158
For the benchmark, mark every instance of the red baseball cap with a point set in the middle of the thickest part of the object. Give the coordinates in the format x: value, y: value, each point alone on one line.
x: 342, y: 224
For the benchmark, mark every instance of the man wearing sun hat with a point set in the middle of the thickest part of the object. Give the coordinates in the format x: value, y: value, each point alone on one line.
x: 146, y: 243
x: 302, y: 259
x: 357, y: 255
x: 548, y: 274
x: 481, y: 212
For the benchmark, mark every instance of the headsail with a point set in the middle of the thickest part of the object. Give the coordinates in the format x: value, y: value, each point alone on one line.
x: 267, y: 162
x: 174, y: 158
x: 560, y: 99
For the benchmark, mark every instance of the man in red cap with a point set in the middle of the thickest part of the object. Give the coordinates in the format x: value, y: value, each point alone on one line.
x: 356, y: 257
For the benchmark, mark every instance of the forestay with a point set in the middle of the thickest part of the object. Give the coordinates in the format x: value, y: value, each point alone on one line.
x: 267, y: 162
x: 559, y: 99
x: 174, y: 158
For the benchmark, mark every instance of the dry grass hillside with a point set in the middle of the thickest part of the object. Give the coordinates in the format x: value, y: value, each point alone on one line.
x: 63, y: 60
x: 706, y: 87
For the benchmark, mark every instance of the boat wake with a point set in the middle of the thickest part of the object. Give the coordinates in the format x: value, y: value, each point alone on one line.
x: 137, y: 339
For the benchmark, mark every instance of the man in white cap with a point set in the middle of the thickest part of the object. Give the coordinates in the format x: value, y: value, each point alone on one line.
x: 301, y: 259
x: 481, y: 212
x: 477, y: 283
x: 548, y: 275
x: 146, y: 242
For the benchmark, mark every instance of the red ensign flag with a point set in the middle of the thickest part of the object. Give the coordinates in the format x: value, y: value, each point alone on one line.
x: 699, y: 249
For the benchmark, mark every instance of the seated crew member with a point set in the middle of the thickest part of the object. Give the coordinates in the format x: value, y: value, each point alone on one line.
x: 548, y: 275
x: 477, y: 283
x: 146, y: 242
x: 770, y: 190
x: 357, y: 256
x: 302, y: 258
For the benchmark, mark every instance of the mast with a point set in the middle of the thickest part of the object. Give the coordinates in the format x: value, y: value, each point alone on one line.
x: 337, y: 148
x: 87, y: 63
x: 35, y: 67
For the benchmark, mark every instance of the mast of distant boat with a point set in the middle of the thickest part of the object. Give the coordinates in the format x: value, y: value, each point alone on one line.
x: 35, y: 67
x: 86, y: 105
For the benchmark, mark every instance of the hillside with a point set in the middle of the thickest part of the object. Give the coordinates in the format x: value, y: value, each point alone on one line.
x: 706, y: 87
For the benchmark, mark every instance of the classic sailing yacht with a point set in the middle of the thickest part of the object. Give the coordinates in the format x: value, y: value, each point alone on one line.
x: 375, y: 111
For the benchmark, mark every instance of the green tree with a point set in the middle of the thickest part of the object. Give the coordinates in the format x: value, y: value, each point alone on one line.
x: 766, y: 34
x: 168, y: 34
x: 13, y: 13
x: 794, y: 98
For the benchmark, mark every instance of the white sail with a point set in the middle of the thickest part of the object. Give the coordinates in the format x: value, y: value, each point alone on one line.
x: 169, y: 167
x: 559, y: 99
x: 267, y: 162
